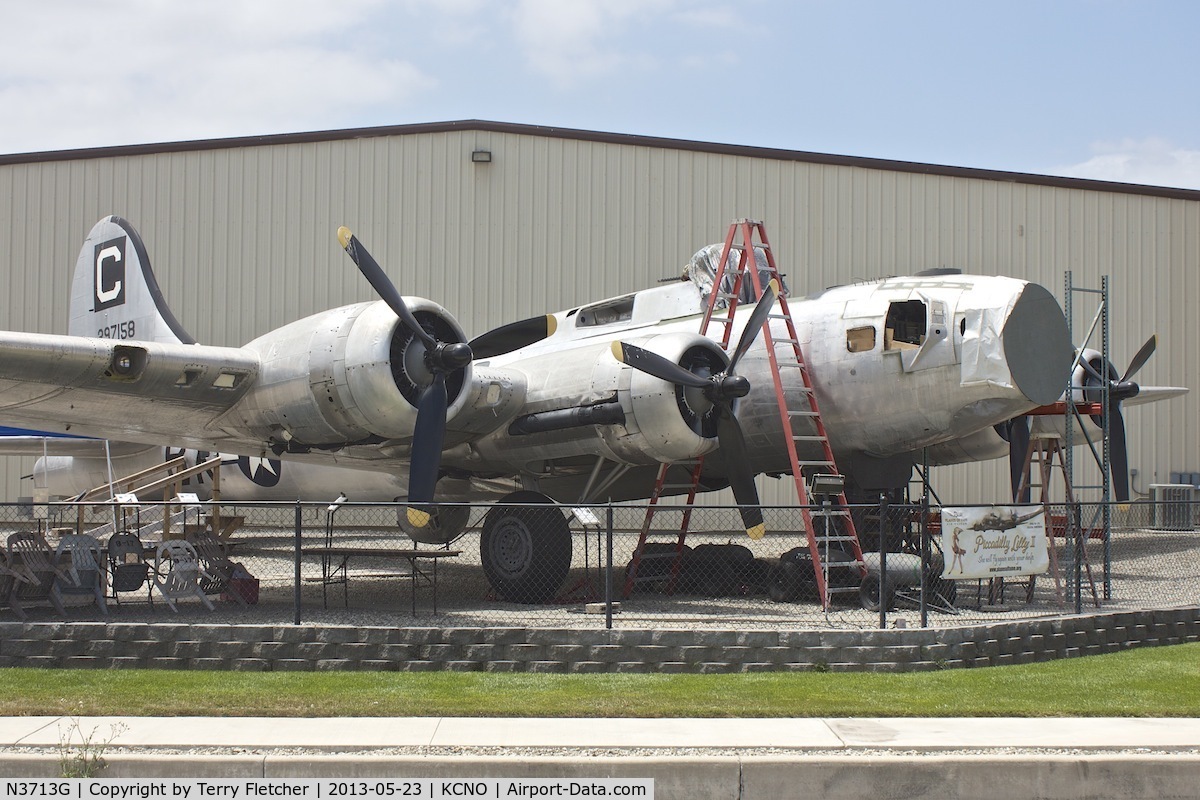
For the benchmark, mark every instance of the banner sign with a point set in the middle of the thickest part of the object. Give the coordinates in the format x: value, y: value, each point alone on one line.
x: 994, y: 542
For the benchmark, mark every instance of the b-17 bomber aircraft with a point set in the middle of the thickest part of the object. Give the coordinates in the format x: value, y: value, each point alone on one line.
x: 579, y: 406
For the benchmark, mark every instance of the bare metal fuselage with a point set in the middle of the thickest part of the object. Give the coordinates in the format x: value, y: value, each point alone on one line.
x: 990, y: 348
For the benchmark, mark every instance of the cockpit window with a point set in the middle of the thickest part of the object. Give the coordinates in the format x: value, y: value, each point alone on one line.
x: 606, y: 312
x: 905, y: 325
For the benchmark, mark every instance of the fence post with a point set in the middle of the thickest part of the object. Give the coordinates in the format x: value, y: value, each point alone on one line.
x: 1077, y: 511
x: 296, y: 565
x: 926, y: 558
x: 883, y: 599
x: 1107, y: 532
x: 608, y: 609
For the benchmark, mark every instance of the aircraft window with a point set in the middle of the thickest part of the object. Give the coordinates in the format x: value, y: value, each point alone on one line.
x: 227, y: 380
x: 860, y: 340
x: 905, y: 325
x: 187, y: 377
x: 606, y: 313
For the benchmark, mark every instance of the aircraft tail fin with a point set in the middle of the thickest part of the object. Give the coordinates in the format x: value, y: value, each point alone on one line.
x: 114, y: 294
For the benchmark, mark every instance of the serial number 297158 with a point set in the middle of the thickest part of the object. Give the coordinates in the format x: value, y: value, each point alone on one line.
x: 119, y: 330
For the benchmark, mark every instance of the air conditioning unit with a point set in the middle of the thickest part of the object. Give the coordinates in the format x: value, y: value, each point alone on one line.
x: 1171, y: 506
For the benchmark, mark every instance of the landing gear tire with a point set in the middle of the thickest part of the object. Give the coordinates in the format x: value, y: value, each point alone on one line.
x: 526, y: 551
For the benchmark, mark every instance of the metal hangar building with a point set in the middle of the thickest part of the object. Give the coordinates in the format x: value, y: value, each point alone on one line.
x: 500, y: 221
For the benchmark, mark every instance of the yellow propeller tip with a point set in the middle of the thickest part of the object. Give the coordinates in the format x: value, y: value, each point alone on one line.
x: 618, y: 351
x: 418, y: 518
x: 344, y: 235
x: 757, y: 532
x: 551, y: 324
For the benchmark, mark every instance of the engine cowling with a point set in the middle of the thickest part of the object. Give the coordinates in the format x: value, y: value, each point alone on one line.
x: 347, y: 375
x: 1084, y: 386
x: 667, y: 422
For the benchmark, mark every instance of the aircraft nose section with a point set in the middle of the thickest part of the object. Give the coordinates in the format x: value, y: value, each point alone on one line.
x: 1037, y: 345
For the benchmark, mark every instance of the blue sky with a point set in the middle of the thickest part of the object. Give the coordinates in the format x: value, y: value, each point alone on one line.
x: 1092, y: 89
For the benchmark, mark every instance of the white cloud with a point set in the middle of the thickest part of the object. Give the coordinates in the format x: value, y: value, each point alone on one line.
x: 742, y: 22
x: 94, y: 72
x: 569, y: 41
x: 91, y: 73
x: 1150, y: 161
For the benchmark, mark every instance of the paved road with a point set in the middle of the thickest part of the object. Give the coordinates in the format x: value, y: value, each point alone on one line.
x: 362, y: 734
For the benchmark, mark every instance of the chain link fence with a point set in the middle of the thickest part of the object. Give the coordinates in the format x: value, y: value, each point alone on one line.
x: 544, y: 565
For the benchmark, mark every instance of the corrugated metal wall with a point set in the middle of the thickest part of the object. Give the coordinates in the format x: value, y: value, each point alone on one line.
x: 243, y: 240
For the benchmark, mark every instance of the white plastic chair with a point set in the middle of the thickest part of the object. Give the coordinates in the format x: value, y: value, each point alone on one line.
x: 86, y: 572
x: 177, y: 573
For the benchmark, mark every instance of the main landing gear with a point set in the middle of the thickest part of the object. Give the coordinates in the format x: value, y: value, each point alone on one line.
x: 526, y: 550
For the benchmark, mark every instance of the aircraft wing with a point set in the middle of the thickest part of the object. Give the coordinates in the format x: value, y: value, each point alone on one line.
x: 138, y: 391
x: 34, y: 444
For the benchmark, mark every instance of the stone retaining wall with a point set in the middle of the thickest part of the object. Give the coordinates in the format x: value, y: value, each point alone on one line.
x: 306, y: 647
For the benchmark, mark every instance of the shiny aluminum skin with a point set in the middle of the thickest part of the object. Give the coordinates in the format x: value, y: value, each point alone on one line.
x: 329, y: 378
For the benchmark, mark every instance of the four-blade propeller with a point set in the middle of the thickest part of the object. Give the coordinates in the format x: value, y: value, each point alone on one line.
x: 721, y: 389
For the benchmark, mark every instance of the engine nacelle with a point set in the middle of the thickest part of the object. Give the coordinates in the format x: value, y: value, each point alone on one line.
x: 347, y: 375
x: 667, y: 422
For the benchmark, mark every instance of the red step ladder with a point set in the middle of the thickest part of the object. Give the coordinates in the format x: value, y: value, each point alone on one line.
x: 837, y: 525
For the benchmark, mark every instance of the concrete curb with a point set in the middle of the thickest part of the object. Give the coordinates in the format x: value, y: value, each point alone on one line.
x: 693, y: 777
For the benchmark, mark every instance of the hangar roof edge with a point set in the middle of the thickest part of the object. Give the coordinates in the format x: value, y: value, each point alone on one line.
x: 603, y: 137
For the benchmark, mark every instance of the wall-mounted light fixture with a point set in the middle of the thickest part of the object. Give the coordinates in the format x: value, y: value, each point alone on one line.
x: 481, y: 156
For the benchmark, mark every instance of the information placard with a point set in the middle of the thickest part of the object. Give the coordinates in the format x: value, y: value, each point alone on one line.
x: 994, y: 541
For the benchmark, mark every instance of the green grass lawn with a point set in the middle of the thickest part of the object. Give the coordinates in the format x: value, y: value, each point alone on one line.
x: 1150, y: 682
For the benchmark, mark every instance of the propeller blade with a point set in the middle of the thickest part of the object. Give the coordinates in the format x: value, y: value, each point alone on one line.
x: 1141, y: 358
x: 741, y: 479
x: 513, y: 336
x: 1118, y: 457
x: 382, y: 285
x: 1018, y: 452
x: 654, y: 364
x: 426, y: 457
x: 755, y: 323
